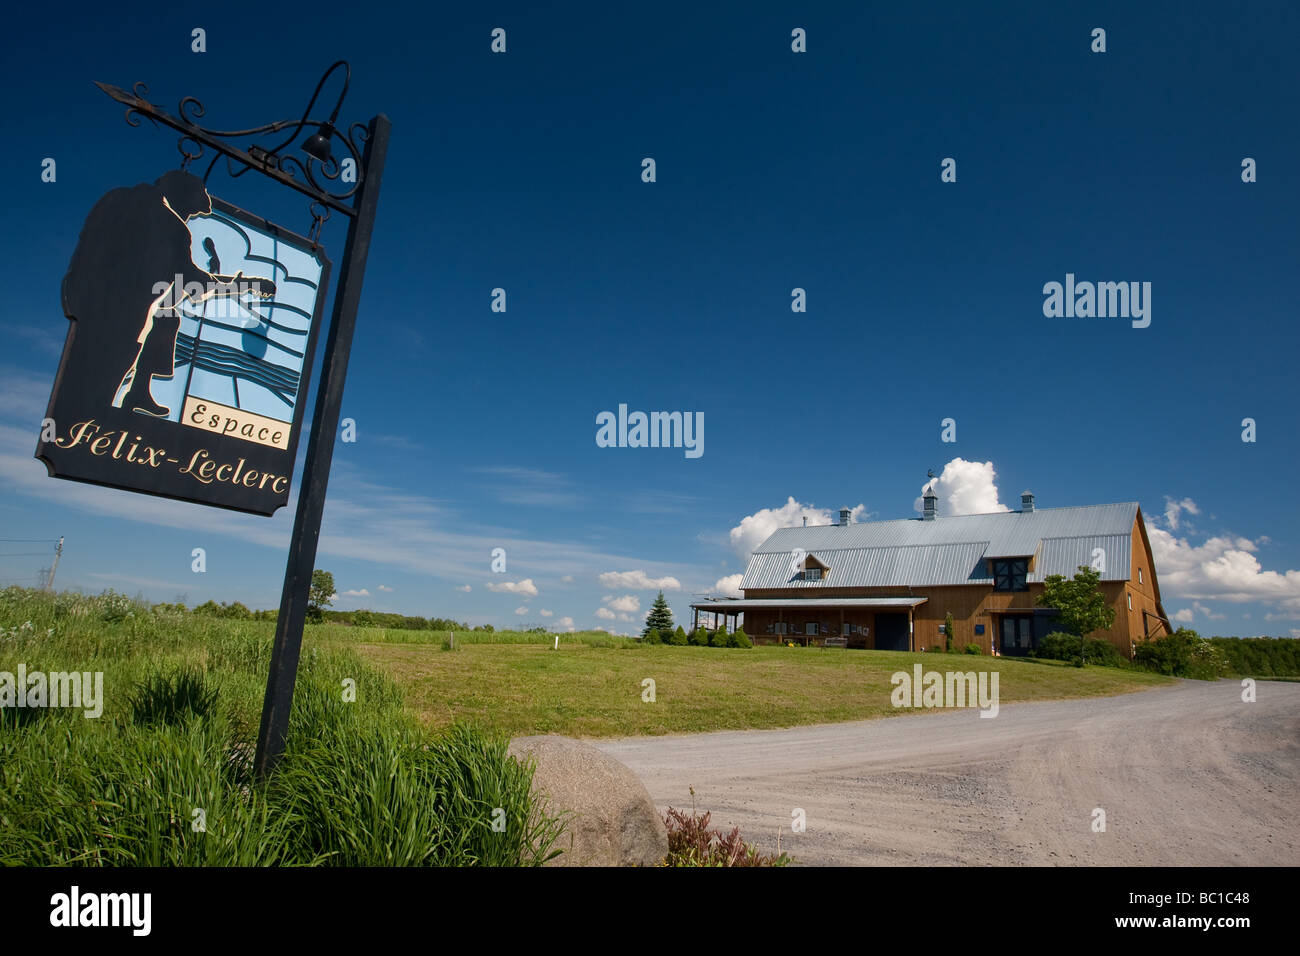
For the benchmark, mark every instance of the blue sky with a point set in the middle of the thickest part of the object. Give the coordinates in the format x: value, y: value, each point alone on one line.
x: 775, y: 171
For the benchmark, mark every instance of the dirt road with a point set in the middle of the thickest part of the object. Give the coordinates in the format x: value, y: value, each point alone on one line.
x: 1186, y: 775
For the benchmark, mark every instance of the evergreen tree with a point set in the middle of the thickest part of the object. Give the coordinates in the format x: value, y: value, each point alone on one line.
x: 660, y: 617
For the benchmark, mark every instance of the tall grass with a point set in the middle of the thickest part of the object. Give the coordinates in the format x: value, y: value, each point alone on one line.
x: 164, y: 778
x: 380, y: 635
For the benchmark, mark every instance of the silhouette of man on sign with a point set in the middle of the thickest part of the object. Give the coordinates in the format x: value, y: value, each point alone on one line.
x: 130, y: 274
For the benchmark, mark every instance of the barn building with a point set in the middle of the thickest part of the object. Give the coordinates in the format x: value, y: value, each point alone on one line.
x: 888, y: 585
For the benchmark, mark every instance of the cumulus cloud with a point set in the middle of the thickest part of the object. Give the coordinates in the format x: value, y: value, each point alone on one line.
x: 521, y: 610
x: 627, y: 603
x: 1185, y: 616
x: 1174, y: 510
x: 1221, y: 568
x: 385, y: 587
x: 565, y: 622
x: 545, y: 613
x: 964, y: 488
x: 465, y: 587
x: 605, y: 614
x: 1200, y: 608
x: 362, y: 593
x: 639, y: 581
x: 525, y: 586
x: 754, y: 529
x: 567, y: 579
x: 729, y: 586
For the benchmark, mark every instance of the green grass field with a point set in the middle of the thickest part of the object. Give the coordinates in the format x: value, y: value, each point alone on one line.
x: 592, y: 686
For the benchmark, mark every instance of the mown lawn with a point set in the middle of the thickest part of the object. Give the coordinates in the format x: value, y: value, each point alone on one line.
x: 592, y: 691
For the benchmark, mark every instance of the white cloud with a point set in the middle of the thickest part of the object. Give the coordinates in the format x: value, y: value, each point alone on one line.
x: 465, y: 587
x: 964, y: 488
x: 639, y: 581
x: 525, y: 586
x: 605, y: 614
x: 625, y: 617
x: 521, y: 611
x: 545, y: 613
x: 754, y: 529
x: 1185, y: 616
x: 1222, y: 568
x: 729, y: 586
x: 627, y: 603
x: 1174, y: 509
x: 1208, y: 612
x: 565, y: 622
x: 385, y: 587
x: 362, y: 593
x: 567, y: 579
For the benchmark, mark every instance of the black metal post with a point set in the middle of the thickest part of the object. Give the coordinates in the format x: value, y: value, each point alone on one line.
x: 320, y: 453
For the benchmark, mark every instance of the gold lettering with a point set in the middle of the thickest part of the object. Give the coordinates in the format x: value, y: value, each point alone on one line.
x: 105, y: 440
x: 77, y: 434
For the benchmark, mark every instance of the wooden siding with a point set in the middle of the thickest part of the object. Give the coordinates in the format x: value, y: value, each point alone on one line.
x: 969, y: 604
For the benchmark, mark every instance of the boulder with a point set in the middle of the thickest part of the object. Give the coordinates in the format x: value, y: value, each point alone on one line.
x: 611, y: 820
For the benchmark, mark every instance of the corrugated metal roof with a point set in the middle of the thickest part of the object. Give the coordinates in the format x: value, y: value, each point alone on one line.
x: 751, y: 603
x: 916, y: 565
x: 950, y: 549
x: 1065, y: 555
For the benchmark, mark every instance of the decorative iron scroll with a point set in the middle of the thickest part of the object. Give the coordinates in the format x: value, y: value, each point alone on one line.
x: 319, y: 179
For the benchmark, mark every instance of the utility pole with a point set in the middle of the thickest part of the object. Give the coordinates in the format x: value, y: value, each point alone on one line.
x: 58, y: 552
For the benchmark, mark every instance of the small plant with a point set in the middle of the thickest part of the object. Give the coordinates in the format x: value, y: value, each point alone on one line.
x: 692, y: 843
x: 679, y: 638
x: 652, y: 637
x: 973, y: 649
x: 699, y: 637
x: 718, y: 638
x: 948, y: 627
x: 170, y: 699
x: 738, y: 638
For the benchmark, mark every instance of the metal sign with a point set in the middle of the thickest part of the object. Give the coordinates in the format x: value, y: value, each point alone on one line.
x: 189, y: 352
x: 186, y: 365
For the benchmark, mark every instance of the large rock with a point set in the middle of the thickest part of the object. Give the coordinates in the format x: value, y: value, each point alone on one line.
x: 611, y: 821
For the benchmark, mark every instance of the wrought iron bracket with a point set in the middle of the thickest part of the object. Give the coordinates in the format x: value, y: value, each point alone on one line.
x: 270, y: 162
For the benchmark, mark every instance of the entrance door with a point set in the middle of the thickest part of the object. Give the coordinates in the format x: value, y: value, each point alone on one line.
x: 891, y: 632
x: 1017, y: 634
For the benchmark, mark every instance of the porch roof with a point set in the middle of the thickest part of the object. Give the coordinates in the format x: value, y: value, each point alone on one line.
x: 746, y: 604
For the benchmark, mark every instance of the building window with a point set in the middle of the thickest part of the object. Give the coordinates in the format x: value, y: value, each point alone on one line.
x: 810, y: 628
x: 812, y: 574
x: 1139, y: 575
x: 1130, y: 602
x: 782, y: 627
x: 1011, y: 574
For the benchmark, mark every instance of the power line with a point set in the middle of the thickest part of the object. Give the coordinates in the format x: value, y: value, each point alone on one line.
x: 28, y: 540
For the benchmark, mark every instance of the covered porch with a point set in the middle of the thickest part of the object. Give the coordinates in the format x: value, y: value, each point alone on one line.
x: 884, y: 623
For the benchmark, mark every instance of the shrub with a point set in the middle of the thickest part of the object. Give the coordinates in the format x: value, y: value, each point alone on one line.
x: 692, y: 843
x: 679, y: 638
x: 1059, y: 646
x: 973, y: 649
x: 699, y: 637
x: 948, y: 627
x: 738, y: 638
x: 1183, y: 653
x: 652, y: 637
x: 718, y: 638
x: 171, y: 698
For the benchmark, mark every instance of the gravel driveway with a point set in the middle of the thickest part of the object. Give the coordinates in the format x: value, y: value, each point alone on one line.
x: 1187, y: 775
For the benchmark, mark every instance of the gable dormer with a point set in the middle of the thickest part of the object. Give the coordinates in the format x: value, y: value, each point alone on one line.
x: 813, y: 569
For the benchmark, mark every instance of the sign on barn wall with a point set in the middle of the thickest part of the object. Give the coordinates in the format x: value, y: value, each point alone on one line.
x: 186, y: 364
